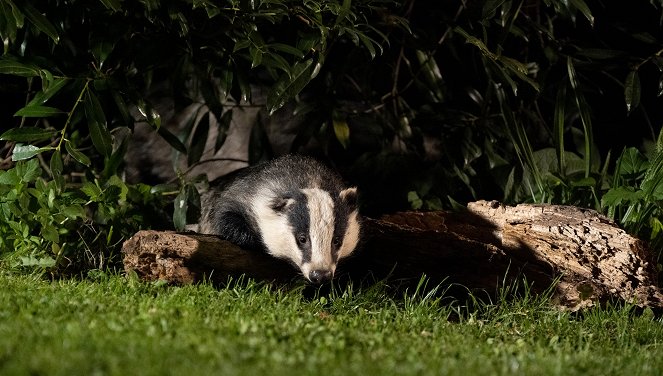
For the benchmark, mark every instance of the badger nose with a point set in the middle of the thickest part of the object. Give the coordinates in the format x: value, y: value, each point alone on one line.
x: 320, y: 276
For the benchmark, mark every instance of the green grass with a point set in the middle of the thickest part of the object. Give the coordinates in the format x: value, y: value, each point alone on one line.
x: 120, y: 326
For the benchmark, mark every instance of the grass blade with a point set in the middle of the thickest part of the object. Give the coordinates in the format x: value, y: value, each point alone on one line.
x: 558, y: 128
x: 585, y: 118
x: 632, y: 90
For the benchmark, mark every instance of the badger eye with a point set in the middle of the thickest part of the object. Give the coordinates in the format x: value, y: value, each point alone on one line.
x: 302, y: 239
x: 336, y: 241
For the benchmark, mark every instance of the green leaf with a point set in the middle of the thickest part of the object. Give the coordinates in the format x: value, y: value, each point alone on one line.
x: 27, y: 151
x: 121, y: 136
x: 616, y: 196
x: 9, y: 177
x: 519, y: 69
x: 256, y: 48
x: 92, y: 191
x: 656, y: 227
x: 57, y: 167
x: 571, y: 70
x: 122, y: 108
x: 256, y: 56
x: 307, y: 41
x: 77, y: 154
x: 241, y: 44
x: 38, y: 111
x: 199, y: 139
x: 193, y: 202
x: 41, y: 22
x: 180, y: 209
x: 582, y: 7
x: 341, y: 130
x: 73, y: 211
x: 368, y: 43
x: 211, y: 99
x: 276, y: 61
x: 30, y: 171
x: 163, y: 188
x: 115, y: 181
x: 9, y: 22
x: 584, y: 182
x: 632, y: 163
x: 223, y: 126
x: 503, y: 74
x: 244, y: 87
x: 415, y: 201
x: 96, y: 120
x: 431, y: 70
x: 601, y: 53
x: 50, y: 233
x: 53, y: 88
x: 151, y: 115
x: 13, y: 67
x: 289, y: 85
x: 46, y: 78
x: 632, y: 90
x: 287, y: 49
x: 28, y: 134
x: 101, y: 49
x: 19, y: 17
x: 654, y: 189
x: 652, y: 184
x: 114, y: 5
x: 343, y: 12
x: 658, y: 61
x: 172, y: 140
x: 225, y: 82
x: 489, y: 8
x: 476, y: 42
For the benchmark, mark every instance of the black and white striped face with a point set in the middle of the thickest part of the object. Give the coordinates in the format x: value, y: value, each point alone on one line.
x: 309, y: 227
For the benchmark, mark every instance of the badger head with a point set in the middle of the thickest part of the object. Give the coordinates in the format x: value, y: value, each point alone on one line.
x: 312, y: 228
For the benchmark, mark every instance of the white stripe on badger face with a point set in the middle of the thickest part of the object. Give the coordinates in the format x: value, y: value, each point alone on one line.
x: 351, y: 236
x: 321, y: 230
x: 276, y: 232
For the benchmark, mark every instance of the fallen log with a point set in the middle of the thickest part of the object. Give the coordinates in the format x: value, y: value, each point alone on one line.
x: 587, y: 257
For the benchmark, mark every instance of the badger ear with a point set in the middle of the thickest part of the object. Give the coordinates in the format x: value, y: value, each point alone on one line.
x: 281, y: 204
x: 349, y: 196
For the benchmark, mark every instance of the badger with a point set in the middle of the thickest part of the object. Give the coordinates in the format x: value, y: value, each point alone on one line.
x: 293, y: 208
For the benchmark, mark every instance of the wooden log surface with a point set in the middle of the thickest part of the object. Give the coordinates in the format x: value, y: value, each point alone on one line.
x: 588, y: 258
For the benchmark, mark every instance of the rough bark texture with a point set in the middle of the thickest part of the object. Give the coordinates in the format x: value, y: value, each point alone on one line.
x: 587, y: 256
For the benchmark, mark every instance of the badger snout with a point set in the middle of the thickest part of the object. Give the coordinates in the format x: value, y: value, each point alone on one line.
x: 320, y: 276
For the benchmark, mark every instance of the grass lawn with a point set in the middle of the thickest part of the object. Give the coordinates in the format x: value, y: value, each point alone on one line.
x: 119, y: 326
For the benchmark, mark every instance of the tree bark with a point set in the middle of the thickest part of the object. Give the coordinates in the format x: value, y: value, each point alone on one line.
x: 586, y: 258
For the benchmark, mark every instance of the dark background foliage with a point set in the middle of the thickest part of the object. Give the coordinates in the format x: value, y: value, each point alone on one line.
x: 423, y: 104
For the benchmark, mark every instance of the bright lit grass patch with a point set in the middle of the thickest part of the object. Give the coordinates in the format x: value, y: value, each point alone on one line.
x: 119, y: 326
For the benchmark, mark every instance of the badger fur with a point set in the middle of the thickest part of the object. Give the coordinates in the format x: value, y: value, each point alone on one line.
x: 293, y: 208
